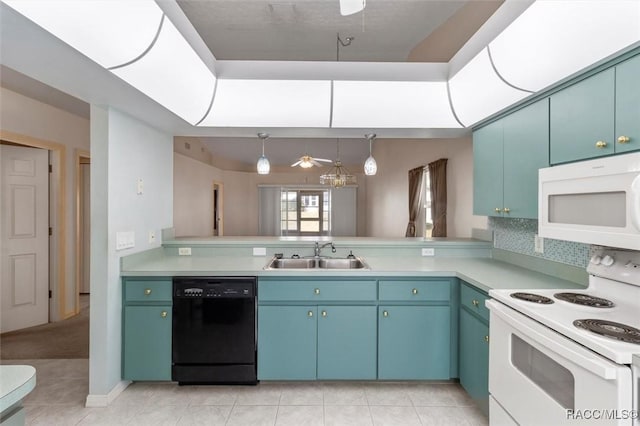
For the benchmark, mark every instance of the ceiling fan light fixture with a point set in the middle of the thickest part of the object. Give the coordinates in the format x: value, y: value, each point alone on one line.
x: 370, y: 165
x: 349, y: 7
x: 263, y: 166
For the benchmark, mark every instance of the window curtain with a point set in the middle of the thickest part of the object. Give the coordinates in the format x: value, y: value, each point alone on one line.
x: 438, y: 178
x: 415, y: 195
x: 269, y: 210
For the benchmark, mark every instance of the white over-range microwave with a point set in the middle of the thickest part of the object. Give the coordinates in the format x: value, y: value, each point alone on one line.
x: 594, y: 202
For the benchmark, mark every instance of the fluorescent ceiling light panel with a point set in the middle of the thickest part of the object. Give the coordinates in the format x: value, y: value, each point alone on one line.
x: 553, y: 39
x: 270, y: 103
x: 349, y: 7
x: 391, y: 104
x: 477, y: 91
x: 111, y: 33
x: 173, y: 75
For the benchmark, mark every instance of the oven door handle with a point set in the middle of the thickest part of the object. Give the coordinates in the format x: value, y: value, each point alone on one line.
x: 539, y: 335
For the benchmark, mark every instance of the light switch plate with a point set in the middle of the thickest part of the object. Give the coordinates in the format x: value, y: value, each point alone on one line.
x: 125, y: 240
x: 259, y: 251
x: 430, y: 251
x: 184, y: 251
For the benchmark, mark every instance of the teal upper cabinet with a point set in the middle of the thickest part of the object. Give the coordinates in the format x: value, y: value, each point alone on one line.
x: 627, y: 135
x: 506, y: 157
x: 582, y: 119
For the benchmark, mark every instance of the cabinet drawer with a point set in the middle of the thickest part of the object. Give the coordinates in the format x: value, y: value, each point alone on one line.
x: 422, y: 290
x: 320, y: 291
x: 473, y: 300
x: 159, y: 290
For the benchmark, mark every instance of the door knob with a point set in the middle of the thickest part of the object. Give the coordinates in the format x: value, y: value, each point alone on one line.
x: 498, y: 210
x: 316, y: 291
x: 324, y: 313
x: 310, y: 313
x: 601, y: 144
x: 385, y: 314
x: 163, y: 314
x: 506, y: 210
x: 414, y: 291
x: 147, y: 291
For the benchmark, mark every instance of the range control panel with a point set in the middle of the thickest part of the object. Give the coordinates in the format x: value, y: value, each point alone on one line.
x: 214, y: 287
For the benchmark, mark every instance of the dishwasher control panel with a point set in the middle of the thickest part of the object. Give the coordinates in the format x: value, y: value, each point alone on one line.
x: 214, y: 287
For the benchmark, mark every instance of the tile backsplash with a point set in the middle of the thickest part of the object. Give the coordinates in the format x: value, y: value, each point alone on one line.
x: 517, y: 235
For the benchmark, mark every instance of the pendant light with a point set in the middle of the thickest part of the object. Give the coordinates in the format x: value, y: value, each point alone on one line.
x: 338, y: 176
x: 370, y: 165
x: 263, y: 165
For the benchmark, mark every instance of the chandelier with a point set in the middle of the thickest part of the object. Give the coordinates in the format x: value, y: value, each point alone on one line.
x: 338, y: 176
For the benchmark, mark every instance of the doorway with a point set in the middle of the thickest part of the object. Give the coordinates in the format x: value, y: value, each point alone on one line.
x: 83, y: 226
x: 218, y: 220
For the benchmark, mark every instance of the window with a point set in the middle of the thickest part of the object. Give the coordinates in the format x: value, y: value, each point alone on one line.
x: 304, y: 212
x: 427, y: 203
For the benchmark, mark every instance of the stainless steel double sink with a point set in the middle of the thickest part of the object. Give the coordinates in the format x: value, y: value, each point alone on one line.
x: 317, y: 263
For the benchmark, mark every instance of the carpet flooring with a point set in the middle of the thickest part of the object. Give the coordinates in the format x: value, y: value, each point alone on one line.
x: 56, y: 340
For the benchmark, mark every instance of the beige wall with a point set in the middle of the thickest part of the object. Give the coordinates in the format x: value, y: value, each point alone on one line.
x: 28, y: 117
x: 193, y: 202
x: 387, y: 192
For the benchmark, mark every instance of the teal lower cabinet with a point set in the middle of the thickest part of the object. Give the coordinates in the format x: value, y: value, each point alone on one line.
x: 474, y: 346
x: 413, y: 342
x: 146, y: 328
x: 347, y: 343
x: 287, y: 342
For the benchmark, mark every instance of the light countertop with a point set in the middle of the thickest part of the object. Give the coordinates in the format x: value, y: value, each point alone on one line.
x: 484, y: 273
x: 16, y: 381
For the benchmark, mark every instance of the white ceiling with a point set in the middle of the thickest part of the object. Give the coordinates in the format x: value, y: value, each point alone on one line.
x: 298, y: 30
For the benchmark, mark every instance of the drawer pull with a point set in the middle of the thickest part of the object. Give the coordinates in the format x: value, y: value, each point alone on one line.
x: 486, y: 339
x: 414, y: 291
x: 385, y: 314
x: 474, y: 302
x: 506, y: 210
x: 316, y: 291
x: 163, y: 314
x: 310, y: 313
x: 324, y: 313
x: 601, y: 144
x: 498, y: 210
x: 147, y: 291
x: 624, y: 139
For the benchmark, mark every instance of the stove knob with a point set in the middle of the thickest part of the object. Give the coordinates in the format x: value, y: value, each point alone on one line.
x: 607, y: 260
x: 595, y: 260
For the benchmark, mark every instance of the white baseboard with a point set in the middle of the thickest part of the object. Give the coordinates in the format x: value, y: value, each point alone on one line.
x: 106, y: 400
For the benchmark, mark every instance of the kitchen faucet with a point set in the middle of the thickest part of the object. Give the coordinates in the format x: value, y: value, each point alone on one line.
x: 317, y: 247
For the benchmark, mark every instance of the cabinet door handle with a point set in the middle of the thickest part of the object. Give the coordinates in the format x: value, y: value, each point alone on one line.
x: 316, y: 291
x: 385, y: 314
x: 310, y: 313
x: 147, y: 291
x: 163, y: 314
x: 414, y: 291
x: 324, y: 313
x: 474, y: 302
x: 498, y: 210
x: 486, y: 339
x: 601, y: 144
x: 506, y: 210
x: 624, y: 139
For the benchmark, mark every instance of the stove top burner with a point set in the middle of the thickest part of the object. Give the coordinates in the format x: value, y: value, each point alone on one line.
x: 530, y: 297
x: 584, y: 300
x: 610, y: 329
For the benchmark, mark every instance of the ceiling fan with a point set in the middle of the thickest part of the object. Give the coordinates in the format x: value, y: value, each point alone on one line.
x: 307, y: 161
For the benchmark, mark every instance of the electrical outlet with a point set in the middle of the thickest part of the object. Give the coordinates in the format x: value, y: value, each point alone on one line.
x: 428, y: 251
x: 140, y: 188
x: 184, y: 251
x: 152, y: 237
x: 538, y: 244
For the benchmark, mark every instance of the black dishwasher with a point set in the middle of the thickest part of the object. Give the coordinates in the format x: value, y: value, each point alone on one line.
x: 214, y: 330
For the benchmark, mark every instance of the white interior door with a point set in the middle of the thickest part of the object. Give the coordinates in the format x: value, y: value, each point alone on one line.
x: 24, y: 237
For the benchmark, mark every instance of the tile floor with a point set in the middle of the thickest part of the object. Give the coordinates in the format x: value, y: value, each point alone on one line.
x: 63, y: 385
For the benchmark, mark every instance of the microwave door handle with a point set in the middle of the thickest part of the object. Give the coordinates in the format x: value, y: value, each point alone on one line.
x: 591, y: 363
x: 634, y: 199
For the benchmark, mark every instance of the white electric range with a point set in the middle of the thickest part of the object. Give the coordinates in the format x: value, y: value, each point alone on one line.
x: 566, y: 356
